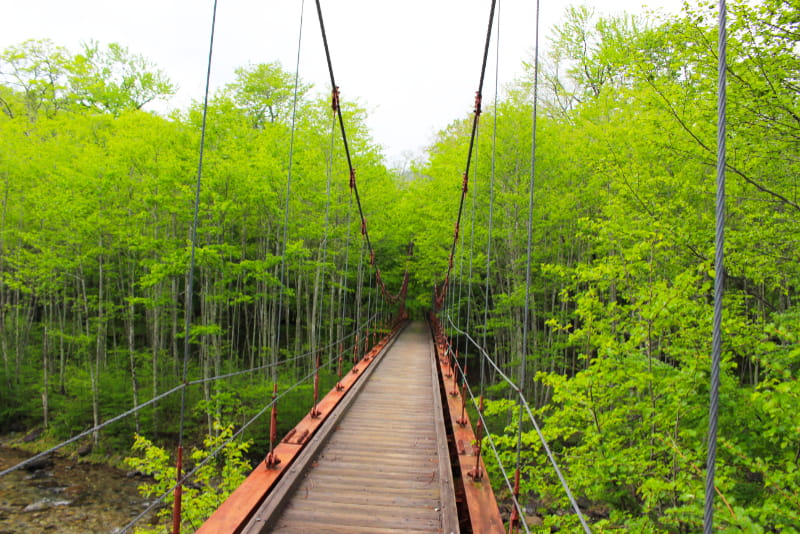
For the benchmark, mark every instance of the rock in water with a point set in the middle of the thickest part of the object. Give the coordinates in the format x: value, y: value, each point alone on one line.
x: 42, y: 463
x: 44, y: 504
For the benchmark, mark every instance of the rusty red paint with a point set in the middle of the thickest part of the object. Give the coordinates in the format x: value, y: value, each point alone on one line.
x: 484, y: 514
x: 238, y: 508
x: 176, y: 504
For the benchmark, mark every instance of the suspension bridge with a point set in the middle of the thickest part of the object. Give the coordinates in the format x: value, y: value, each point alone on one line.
x: 391, y: 447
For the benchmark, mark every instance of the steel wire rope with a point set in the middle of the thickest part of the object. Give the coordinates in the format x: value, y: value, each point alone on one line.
x: 360, y: 287
x: 343, y: 295
x: 188, y: 307
x: 157, y: 398
x: 473, y: 134
x: 488, y: 435
x: 524, y: 404
x: 189, y: 303
x: 328, y: 173
x: 491, y: 200
x: 457, y: 301
x: 212, y: 454
x: 471, y: 244
x: 526, y: 310
x: 369, y: 307
x: 277, y: 347
x: 338, y: 110
x: 719, y: 270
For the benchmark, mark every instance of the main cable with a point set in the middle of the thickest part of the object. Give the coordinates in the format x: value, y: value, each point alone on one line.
x: 277, y: 347
x: 353, y: 183
x: 719, y: 271
x: 491, y: 202
x: 473, y: 134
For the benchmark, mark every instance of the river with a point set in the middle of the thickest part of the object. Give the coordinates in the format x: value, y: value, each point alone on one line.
x: 66, y: 497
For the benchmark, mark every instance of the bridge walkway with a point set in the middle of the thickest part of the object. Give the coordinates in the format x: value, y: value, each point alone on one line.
x: 384, y: 467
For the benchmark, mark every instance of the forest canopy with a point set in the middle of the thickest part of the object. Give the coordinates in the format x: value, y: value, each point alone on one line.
x: 94, y: 243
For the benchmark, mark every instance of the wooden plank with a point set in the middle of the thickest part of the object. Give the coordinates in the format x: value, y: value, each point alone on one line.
x: 381, y: 469
x: 233, y: 514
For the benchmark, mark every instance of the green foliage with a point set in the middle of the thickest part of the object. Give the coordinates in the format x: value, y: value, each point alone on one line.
x: 621, y: 279
x: 206, y: 490
x: 97, y: 200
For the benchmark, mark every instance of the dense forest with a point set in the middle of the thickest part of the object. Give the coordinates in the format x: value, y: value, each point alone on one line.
x: 97, y: 202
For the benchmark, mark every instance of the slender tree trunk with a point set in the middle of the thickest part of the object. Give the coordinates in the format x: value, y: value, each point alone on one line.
x: 62, y: 353
x: 3, y: 290
x: 176, y: 355
x: 312, y: 320
x: 155, y: 344
x: 100, y: 345
x: 45, y: 370
x: 132, y: 355
x: 298, y: 320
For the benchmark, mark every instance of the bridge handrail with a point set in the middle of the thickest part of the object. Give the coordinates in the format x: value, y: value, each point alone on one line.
x: 524, y: 403
x: 164, y: 395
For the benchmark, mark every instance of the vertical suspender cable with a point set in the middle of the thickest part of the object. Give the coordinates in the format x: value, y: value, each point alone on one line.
x: 325, y: 234
x: 288, y: 194
x: 476, y: 117
x: 491, y: 203
x: 719, y: 271
x: 528, y: 285
x: 343, y: 299
x: 188, y: 306
x: 471, y: 248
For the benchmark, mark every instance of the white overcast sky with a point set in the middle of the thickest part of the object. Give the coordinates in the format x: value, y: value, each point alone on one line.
x: 414, y: 64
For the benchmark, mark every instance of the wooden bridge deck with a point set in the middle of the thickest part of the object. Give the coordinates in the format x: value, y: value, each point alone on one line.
x: 384, y: 466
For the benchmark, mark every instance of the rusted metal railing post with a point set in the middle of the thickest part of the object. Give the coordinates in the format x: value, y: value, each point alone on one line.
x: 355, y: 356
x: 272, y: 459
x: 513, y: 521
x: 462, y: 421
x: 454, y: 392
x: 339, y: 386
x: 476, y: 474
x: 176, y: 503
x: 314, y: 411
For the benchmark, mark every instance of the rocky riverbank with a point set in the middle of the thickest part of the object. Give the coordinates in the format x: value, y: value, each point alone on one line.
x: 66, y: 496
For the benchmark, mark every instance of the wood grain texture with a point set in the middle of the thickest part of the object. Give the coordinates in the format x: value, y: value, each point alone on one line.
x: 381, y: 469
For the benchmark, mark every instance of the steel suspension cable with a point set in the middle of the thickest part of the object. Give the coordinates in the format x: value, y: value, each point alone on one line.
x: 719, y: 269
x: 524, y: 404
x: 277, y: 347
x: 157, y: 501
x: 457, y: 300
x: 471, y: 244
x: 328, y: 173
x: 527, y: 306
x: 189, y: 304
x: 188, y: 307
x: 160, y: 397
x: 351, y: 168
x: 473, y: 134
x: 343, y: 294
x: 491, y: 202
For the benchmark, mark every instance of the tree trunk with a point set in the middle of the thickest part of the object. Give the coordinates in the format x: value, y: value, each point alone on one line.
x: 100, y: 345
x: 45, y: 372
x: 132, y: 355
